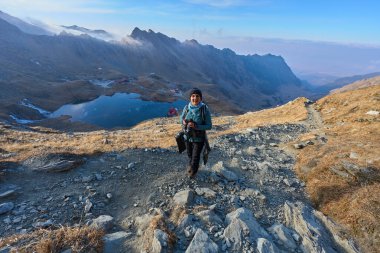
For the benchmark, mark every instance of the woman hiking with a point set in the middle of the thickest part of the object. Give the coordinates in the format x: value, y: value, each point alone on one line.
x: 196, y: 119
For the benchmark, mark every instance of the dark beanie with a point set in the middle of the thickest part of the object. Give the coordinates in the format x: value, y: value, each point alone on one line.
x: 196, y: 91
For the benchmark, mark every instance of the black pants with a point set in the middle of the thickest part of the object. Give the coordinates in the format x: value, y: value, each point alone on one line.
x: 194, y: 150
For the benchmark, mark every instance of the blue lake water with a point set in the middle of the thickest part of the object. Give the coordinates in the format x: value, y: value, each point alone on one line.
x: 119, y: 110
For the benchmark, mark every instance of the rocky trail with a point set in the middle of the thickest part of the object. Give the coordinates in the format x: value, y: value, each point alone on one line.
x: 246, y: 199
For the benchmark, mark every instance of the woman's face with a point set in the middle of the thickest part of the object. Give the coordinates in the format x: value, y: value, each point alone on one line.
x: 195, y: 99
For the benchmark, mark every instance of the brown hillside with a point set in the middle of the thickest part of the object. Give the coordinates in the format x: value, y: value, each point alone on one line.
x: 358, y: 85
x: 343, y: 175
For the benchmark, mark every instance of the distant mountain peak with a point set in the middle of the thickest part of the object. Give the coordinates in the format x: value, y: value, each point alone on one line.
x: 151, y: 36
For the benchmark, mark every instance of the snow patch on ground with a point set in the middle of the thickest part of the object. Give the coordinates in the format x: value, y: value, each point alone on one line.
x: 26, y: 103
x: 103, y: 83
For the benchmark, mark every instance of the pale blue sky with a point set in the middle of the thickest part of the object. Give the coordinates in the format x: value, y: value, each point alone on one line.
x: 344, y: 21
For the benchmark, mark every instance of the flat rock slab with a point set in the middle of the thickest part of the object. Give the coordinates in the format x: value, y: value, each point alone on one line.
x: 207, y: 192
x: 227, y: 174
x: 114, y: 243
x: 6, y: 207
x: 6, y: 193
x: 54, y: 162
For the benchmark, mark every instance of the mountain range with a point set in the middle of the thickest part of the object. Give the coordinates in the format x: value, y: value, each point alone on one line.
x: 248, y: 82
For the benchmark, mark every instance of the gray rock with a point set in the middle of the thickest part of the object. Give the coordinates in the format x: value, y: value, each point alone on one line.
x: 201, y: 243
x: 160, y: 241
x: 43, y: 224
x: 284, y: 235
x: 6, y: 193
x: 252, y: 150
x: 250, y: 192
x: 315, y: 237
x: 265, y: 246
x: 6, y: 207
x: 183, y: 198
x: 209, y: 217
x: 114, y: 243
x: 98, y: 177
x: 339, y: 234
x: 299, y: 146
x: 104, y: 222
x: 54, y: 163
x: 207, y: 192
x: 227, y: 174
x: 241, y: 224
x: 86, y: 179
x: 88, y: 206
x: 186, y: 221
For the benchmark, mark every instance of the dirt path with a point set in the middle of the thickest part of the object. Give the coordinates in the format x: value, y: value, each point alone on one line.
x: 314, y: 119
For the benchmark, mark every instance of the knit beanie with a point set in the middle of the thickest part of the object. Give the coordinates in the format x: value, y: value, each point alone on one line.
x: 196, y: 91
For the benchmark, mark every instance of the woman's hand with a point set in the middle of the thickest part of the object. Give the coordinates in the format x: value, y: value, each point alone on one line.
x: 192, y: 125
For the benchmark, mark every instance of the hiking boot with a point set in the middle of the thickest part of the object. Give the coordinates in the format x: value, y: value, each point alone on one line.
x: 189, y: 170
x: 192, y: 174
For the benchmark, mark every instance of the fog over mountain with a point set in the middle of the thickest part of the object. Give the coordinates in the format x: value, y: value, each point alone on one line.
x: 250, y: 81
x: 24, y: 26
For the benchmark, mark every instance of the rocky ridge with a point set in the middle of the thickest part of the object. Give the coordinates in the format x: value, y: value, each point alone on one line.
x: 246, y: 199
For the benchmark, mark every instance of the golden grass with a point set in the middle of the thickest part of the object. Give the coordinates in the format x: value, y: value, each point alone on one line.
x: 350, y: 196
x: 80, y: 239
x: 158, y: 222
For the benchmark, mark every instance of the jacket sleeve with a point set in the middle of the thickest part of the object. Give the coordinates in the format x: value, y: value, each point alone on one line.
x: 208, y: 123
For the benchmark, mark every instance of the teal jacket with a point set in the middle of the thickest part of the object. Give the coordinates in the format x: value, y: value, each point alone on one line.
x: 194, y: 113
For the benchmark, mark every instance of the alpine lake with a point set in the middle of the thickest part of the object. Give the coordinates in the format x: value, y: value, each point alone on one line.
x: 117, y: 111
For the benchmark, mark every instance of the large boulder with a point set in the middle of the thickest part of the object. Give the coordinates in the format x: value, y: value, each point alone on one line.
x: 104, y: 222
x: 183, y: 198
x: 265, y: 246
x: 284, y: 236
x: 241, y: 225
x: 201, y: 243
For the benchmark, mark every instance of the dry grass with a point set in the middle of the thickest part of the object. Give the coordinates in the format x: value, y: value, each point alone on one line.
x: 291, y: 112
x: 343, y: 175
x: 158, y: 222
x: 81, y: 239
x: 177, y: 215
